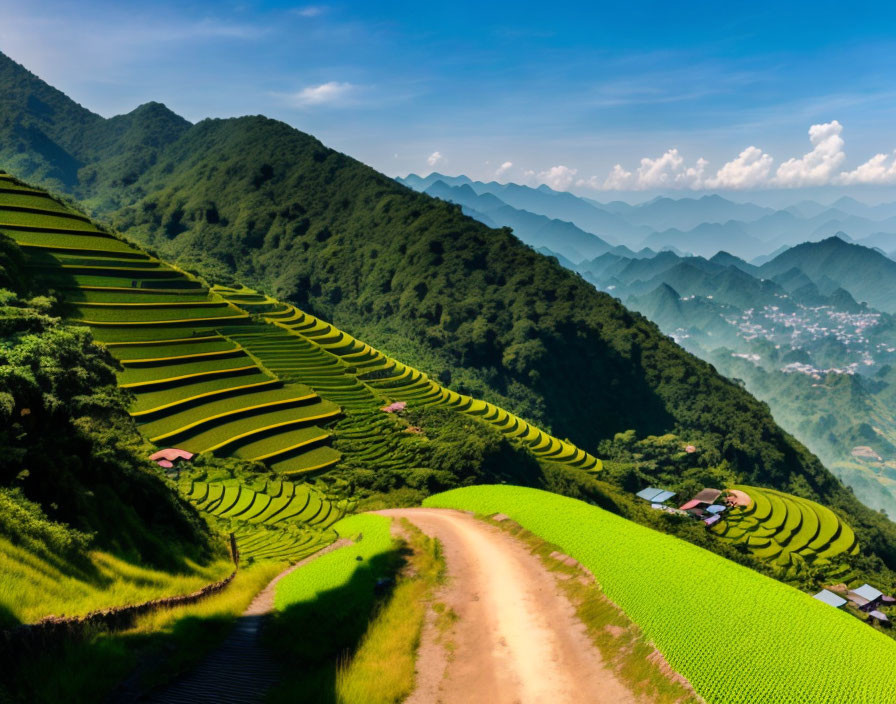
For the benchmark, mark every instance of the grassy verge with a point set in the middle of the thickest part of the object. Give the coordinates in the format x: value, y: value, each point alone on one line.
x: 34, y: 586
x: 382, y: 669
x: 159, y: 646
x: 349, y: 624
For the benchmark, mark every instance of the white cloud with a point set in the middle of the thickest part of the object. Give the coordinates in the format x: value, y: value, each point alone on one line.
x: 752, y: 168
x: 666, y: 171
x: 558, y: 177
x: 749, y: 170
x: 504, y: 168
x: 434, y: 158
x: 818, y: 166
x: 659, y: 173
x: 876, y: 170
x: 330, y: 93
x: 619, y: 179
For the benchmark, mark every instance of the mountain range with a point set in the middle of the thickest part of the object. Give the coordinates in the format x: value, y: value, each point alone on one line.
x: 684, y: 225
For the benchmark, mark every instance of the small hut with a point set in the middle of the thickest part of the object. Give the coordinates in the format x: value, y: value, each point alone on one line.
x: 168, y: 457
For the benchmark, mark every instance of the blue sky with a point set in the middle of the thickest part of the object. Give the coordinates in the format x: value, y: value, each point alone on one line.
x: 562, y: 92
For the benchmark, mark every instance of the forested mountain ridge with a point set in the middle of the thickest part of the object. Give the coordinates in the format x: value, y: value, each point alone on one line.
x: 256, y: 199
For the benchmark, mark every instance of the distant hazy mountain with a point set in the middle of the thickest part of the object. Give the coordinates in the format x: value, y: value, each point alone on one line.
x: 865, y: 273
x: 535, y: 230
x: 687, y: 213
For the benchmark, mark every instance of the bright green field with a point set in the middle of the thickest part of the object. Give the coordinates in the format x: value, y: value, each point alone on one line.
x: 149, y: 315
x: 66, y: 241
x: 135, y: 375
x: 172, y: 349
x: 11, y: 217
x: 739, y: 637
x: 153, y: 399
x: 334, y: 570
x: 33, y: 200
x: 314, y: 459
x: 792, y: 533
x: 188, y: 418
x: 139, y: 296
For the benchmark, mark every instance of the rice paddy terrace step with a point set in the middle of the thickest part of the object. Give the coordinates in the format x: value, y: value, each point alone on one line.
x: 193, y: 386
x: 311, y: 349
x: 791, y: 532
x: 282, y: 521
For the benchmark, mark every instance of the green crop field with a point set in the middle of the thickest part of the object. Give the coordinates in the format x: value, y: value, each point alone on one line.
x: 792, y: 533
x: 335, y: 570
x: 192, y: 384
x: 739, y: 637
x: 311, y: 350
x: 284, y: 521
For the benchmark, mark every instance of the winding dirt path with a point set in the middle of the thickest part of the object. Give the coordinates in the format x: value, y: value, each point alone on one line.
x: 517, y: 639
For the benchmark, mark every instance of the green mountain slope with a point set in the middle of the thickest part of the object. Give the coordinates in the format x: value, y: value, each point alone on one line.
x: 252, y: 199
x: 235, y: 373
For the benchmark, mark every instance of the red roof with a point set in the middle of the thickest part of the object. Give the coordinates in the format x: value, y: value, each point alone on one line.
x: 693, y: 503
x: 165, y: 463
x: 172, y: 454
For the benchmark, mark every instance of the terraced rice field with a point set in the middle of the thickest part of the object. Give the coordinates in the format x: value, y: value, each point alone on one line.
x: 282, y: 521
x: 312, y: 350
x: 738, y: 636
x: 195, y: 387
x: 233, y: 372
x: 792, y: 533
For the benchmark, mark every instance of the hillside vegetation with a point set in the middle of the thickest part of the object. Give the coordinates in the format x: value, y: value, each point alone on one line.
x: 84, y: 521
x: 229, y: 373
x: 254, y: 200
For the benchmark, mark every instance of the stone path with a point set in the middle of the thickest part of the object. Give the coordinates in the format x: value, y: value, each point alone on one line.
x: 241, y: 670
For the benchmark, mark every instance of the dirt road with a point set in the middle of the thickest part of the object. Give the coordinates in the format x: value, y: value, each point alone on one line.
x: 517, y: 639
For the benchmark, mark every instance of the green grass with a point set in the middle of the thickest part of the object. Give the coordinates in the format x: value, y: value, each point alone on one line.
x: 739, y: 637
x: 335, y: 570
x: 164, y: 644
x: 324, y: 609
x: 382, y: 669
x: 32, y: 588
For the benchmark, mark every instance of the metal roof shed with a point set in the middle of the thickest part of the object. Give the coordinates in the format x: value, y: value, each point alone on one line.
x: 830, y: 598
x: 707, y: 496
x: 663, y: 496
x: 866, y: 591
x: 649, y: 493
